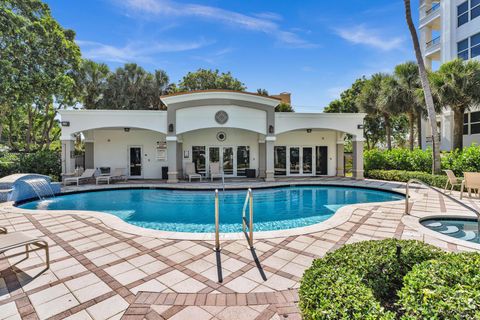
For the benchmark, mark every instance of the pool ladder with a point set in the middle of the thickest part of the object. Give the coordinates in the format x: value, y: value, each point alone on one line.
x: 408, y: 204
x: 248, y: 203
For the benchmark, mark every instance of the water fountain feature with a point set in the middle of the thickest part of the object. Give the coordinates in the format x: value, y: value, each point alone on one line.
x: 41, y: 187
x: 19, y: 187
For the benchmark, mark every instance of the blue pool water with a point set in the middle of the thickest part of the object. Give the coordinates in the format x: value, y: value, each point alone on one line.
x: 193, y: 211
x: 464, y: 229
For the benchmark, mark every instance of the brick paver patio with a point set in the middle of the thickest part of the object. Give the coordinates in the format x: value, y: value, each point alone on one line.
x: 101, y: 273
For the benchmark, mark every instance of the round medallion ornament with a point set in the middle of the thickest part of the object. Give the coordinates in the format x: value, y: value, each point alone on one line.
x: 221, y: 117
x: 221, y: 136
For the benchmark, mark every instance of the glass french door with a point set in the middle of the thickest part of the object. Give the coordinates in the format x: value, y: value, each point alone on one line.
x: 227, y: 161
x: 233, y: 161
x: 300, y: 160
x: 307, y: 160
x: 135, y: 162
x: 321, y: 161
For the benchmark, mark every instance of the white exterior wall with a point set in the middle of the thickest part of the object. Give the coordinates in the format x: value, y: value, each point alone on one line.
x: 115, y: 153
x: 235, y: 137
x: 450, y: 35
x: 195, y: 118
x: 315, y: 138
x: 83, y: 120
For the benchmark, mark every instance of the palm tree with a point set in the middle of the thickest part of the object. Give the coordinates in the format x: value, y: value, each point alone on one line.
x: 408, y: 81
x: 432, y: 116
x: 456, y: 84
x: 91, y: 82
x: 376, y: 101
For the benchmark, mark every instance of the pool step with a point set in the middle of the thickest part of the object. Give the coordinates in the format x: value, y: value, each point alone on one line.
x: 450, y: 230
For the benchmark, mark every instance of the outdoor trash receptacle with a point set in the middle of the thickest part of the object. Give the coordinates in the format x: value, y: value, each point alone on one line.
x: 250, y: 173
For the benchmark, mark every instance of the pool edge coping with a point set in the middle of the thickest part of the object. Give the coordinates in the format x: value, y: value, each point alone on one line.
x: 340, y: 217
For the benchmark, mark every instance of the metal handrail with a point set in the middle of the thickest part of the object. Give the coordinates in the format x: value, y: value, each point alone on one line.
x: 407, y: 201
x: 434, y: 7
x: 217, y: 223
x: 248, y: 201
x: 433, y: 42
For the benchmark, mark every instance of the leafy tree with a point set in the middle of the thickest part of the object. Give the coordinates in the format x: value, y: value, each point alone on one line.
x: 37, y: 57
x: 432, y: 116
x: 284, y: 107
x: 457, y: 85
x: 347, y: 102
x: 204, y: 79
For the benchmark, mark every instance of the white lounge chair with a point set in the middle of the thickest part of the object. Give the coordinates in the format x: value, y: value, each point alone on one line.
x: 16, y: 240
x: 452, y: 180
x: 190, y: 172
x: 87, y: 174
x: 470, y: 182
x: 118, y: 173
x: 215, y: 170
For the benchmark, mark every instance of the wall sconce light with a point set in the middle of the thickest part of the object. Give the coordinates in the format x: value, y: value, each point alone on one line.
x: 65, y: 123
x: 126, y: 129
x: 170, y: 127
x: 309, y: 130
x: 271, y: 129
x: 360, y: 126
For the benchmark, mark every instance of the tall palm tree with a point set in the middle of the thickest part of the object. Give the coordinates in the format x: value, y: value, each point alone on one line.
x: 91, y: 83
x: 457, y: 85
x: 373, y: 100
x: 408, y: 81
x: 432, y: 116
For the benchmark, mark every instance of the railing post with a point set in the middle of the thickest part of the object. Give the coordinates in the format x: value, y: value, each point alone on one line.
x: 407, y: 191
x: 250, y: 226
x: 217, y: 223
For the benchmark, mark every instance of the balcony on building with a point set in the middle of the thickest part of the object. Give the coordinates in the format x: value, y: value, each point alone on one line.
x: 430, y: 14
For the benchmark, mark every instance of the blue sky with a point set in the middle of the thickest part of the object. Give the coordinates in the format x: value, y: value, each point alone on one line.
x: 311, y: 48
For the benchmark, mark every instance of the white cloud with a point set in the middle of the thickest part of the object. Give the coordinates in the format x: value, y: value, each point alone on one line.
x: 263, y: 22
x: 362, y: 35
x: 134, y: 51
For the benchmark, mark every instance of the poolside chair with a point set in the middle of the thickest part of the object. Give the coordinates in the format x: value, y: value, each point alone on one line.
x: 215, y: 170
x: 470, y: 182
x: 190, y: 172
x: 118, y: 173
x: 87, y: 174
x: 452, y: 180
x: 16, y: 240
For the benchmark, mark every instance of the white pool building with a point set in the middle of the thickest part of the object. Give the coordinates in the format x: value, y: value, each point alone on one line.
x: 239, y: 131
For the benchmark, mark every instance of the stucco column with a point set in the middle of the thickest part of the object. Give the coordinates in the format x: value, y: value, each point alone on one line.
x: 269, y: 158
x: 340, y: 160
x: 340, y: 154
x: 357, y: 159
x: 172, y: 155
x: 261, y: 159
x: 68, y: 161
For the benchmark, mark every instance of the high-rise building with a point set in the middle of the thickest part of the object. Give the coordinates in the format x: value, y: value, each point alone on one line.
x: 450, y: 29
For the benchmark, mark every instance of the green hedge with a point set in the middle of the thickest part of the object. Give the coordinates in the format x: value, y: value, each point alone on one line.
x: 447, y: 288
x: 43, y: 162
x: 421, y: 160
x: 403, y: 176
x: 360, y: 281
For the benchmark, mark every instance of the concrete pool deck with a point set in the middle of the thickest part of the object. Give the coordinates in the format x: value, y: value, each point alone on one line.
x: 102, y: 271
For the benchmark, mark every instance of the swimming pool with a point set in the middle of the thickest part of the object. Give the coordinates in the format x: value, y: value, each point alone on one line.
x: 464, y: 229
x: 193, y: 211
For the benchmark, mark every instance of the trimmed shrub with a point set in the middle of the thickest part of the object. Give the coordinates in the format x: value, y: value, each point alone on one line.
x: 448, y: 288
x: 45, y: 162
x: 403, y: 176
x: 398, y: 159
x: 360, y: 280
